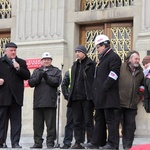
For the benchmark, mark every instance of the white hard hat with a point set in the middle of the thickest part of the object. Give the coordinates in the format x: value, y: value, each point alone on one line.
x: 46, y: 55
x: 101, y: 38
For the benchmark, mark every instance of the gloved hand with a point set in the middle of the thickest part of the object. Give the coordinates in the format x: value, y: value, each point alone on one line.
x: 39, y: 75
x: 141, y: 93
x: 44, y: 75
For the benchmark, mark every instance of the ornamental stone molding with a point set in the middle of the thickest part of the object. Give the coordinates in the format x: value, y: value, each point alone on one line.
x: 40, y: 19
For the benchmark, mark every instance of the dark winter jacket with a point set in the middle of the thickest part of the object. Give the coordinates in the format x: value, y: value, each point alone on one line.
x: 13, y: 81
x: 88, y: 76
x: 105, y: 87
x: 147, y: 95
x: 66, y: 85
x: 46, y: 84
x: 129, y: 85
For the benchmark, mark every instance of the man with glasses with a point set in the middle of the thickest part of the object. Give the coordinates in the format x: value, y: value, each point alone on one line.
x: 106, y: 95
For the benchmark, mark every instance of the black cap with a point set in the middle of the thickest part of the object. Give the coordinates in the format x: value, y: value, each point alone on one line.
x: 82, y: 49
x: 11, y: 44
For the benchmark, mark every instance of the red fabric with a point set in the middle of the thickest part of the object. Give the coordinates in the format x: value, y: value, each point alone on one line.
x: 141, y: 147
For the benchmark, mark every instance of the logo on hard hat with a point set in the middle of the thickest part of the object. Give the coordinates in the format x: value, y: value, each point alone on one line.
x: 99, y: 40
x: 46, y: 55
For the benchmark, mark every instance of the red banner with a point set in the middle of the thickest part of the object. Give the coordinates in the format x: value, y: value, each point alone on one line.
x: 33, y: 63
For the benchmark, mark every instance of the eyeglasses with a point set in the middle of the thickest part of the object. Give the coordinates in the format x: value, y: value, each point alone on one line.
x: 98, y: 46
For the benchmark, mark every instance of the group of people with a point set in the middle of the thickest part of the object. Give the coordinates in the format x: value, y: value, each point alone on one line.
x: 45, y: 81
x: 100, y: 96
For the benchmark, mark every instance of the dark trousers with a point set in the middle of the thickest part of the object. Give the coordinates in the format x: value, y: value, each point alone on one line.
x: 128, y: 125
x: 6, y: 127
x: 47, y: 115
x: 104, y: 119
x: 99, y: 133
x: 14, y: 111
x: 69, y: 127
x: 83, y: 119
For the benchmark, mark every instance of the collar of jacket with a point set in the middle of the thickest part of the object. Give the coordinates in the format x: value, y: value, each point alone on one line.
x: 5, y: 58
x: 105, y: 52
x: 86, y: 61
x: 48, y: 68
x: 137, y: 69
x: 83, y: 60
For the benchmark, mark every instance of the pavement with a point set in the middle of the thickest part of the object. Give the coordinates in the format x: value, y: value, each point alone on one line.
x: 26, y: 142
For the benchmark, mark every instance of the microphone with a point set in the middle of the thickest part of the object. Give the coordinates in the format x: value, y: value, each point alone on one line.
x: 14, y: 61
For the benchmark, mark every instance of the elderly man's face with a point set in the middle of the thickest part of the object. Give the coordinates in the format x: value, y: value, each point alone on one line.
x: 134, y: 60
x: 46, y: 62
x: 10, y: 52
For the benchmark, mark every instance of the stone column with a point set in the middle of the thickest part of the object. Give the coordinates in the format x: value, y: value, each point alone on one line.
x: 145, y: 16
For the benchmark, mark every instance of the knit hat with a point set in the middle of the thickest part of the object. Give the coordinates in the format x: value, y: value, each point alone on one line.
x: 146, y: 60
x: 11, y: 44
x: 81, y: 48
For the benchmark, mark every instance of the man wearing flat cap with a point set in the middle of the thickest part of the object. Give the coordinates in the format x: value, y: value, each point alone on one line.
x: 12, y: 73
x: 81, y: 96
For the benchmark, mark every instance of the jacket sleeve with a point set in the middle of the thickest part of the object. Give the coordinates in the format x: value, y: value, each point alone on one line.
x: 65, y: 85
x: 24, y: 73
x: 55, y: 79
x: 114, y: 67
x: 36, y: 78
x: 147, y: 96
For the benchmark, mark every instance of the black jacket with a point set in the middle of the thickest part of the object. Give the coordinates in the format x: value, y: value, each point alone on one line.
x: 65, y: 85
x: 105, y: 88
x: 147, y: 95
x: 46, y: 84
x: 13, y: 81
x: 88, y: 75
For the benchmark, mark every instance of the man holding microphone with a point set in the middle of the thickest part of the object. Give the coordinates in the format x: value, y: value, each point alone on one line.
x: 12, y: 74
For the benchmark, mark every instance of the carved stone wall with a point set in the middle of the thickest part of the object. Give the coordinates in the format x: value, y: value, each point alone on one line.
x: 40, y: 20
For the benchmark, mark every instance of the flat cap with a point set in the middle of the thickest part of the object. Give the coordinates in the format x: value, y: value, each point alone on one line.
x: 11, y: 44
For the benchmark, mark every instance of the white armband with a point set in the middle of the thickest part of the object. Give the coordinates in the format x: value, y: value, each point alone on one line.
x: 113, y: 75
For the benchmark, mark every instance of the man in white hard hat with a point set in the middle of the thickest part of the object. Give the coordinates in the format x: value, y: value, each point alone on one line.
x: 46, y: 80
x: 106, y: 94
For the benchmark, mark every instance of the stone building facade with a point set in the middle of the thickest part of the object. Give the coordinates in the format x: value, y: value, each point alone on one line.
x: 58, y: 26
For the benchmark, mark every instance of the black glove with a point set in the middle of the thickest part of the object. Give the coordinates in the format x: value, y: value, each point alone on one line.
x: 44, y: 75
x: 39, y: 75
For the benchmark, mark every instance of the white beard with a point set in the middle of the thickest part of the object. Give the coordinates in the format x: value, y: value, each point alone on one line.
x: 136, y: 65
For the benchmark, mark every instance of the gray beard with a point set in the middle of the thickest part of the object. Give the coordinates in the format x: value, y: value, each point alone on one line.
x: 136, y: 65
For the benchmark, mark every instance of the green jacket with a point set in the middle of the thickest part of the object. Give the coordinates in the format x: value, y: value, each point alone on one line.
x: 129, y: 86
